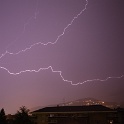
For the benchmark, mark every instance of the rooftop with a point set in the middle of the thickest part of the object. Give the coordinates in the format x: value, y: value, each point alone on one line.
x: 74, y: 108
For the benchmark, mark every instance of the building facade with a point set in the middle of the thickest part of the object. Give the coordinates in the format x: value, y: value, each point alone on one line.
x: 94, y: 114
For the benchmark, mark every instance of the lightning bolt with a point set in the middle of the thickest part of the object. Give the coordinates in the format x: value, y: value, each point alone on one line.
x: 60, y: 73
x: 52, y: 43
x: 45, y: 44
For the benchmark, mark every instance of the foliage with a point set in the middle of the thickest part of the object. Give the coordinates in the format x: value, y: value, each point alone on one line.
x: 3, y: 117
x: 22, y: 116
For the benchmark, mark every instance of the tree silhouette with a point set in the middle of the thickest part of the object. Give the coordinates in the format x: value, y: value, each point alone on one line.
x: 3, y: 117
x: 22, y: 116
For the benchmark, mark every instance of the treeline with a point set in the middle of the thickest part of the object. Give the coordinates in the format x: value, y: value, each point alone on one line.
x: 21, y: 117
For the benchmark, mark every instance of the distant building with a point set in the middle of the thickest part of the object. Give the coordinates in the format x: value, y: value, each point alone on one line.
x: 90, y: 101
x: 93, y: 114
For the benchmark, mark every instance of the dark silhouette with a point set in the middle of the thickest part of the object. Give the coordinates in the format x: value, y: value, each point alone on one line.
x: 22, y: 116
x: 3, y: 117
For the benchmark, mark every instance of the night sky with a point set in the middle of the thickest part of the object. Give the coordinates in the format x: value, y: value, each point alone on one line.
x: 80, y: 40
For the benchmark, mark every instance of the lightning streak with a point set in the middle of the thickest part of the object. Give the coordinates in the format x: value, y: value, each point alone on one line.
x: 24, y: 28
x: 40, y: 43
x: 52, y: 43
x: 60, y: 73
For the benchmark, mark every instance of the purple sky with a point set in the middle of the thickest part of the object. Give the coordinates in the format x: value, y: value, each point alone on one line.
x: 92, y: 47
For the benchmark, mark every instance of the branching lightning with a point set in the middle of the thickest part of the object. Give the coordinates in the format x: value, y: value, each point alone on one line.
x: 24, y: 28
x: 52, y: 43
